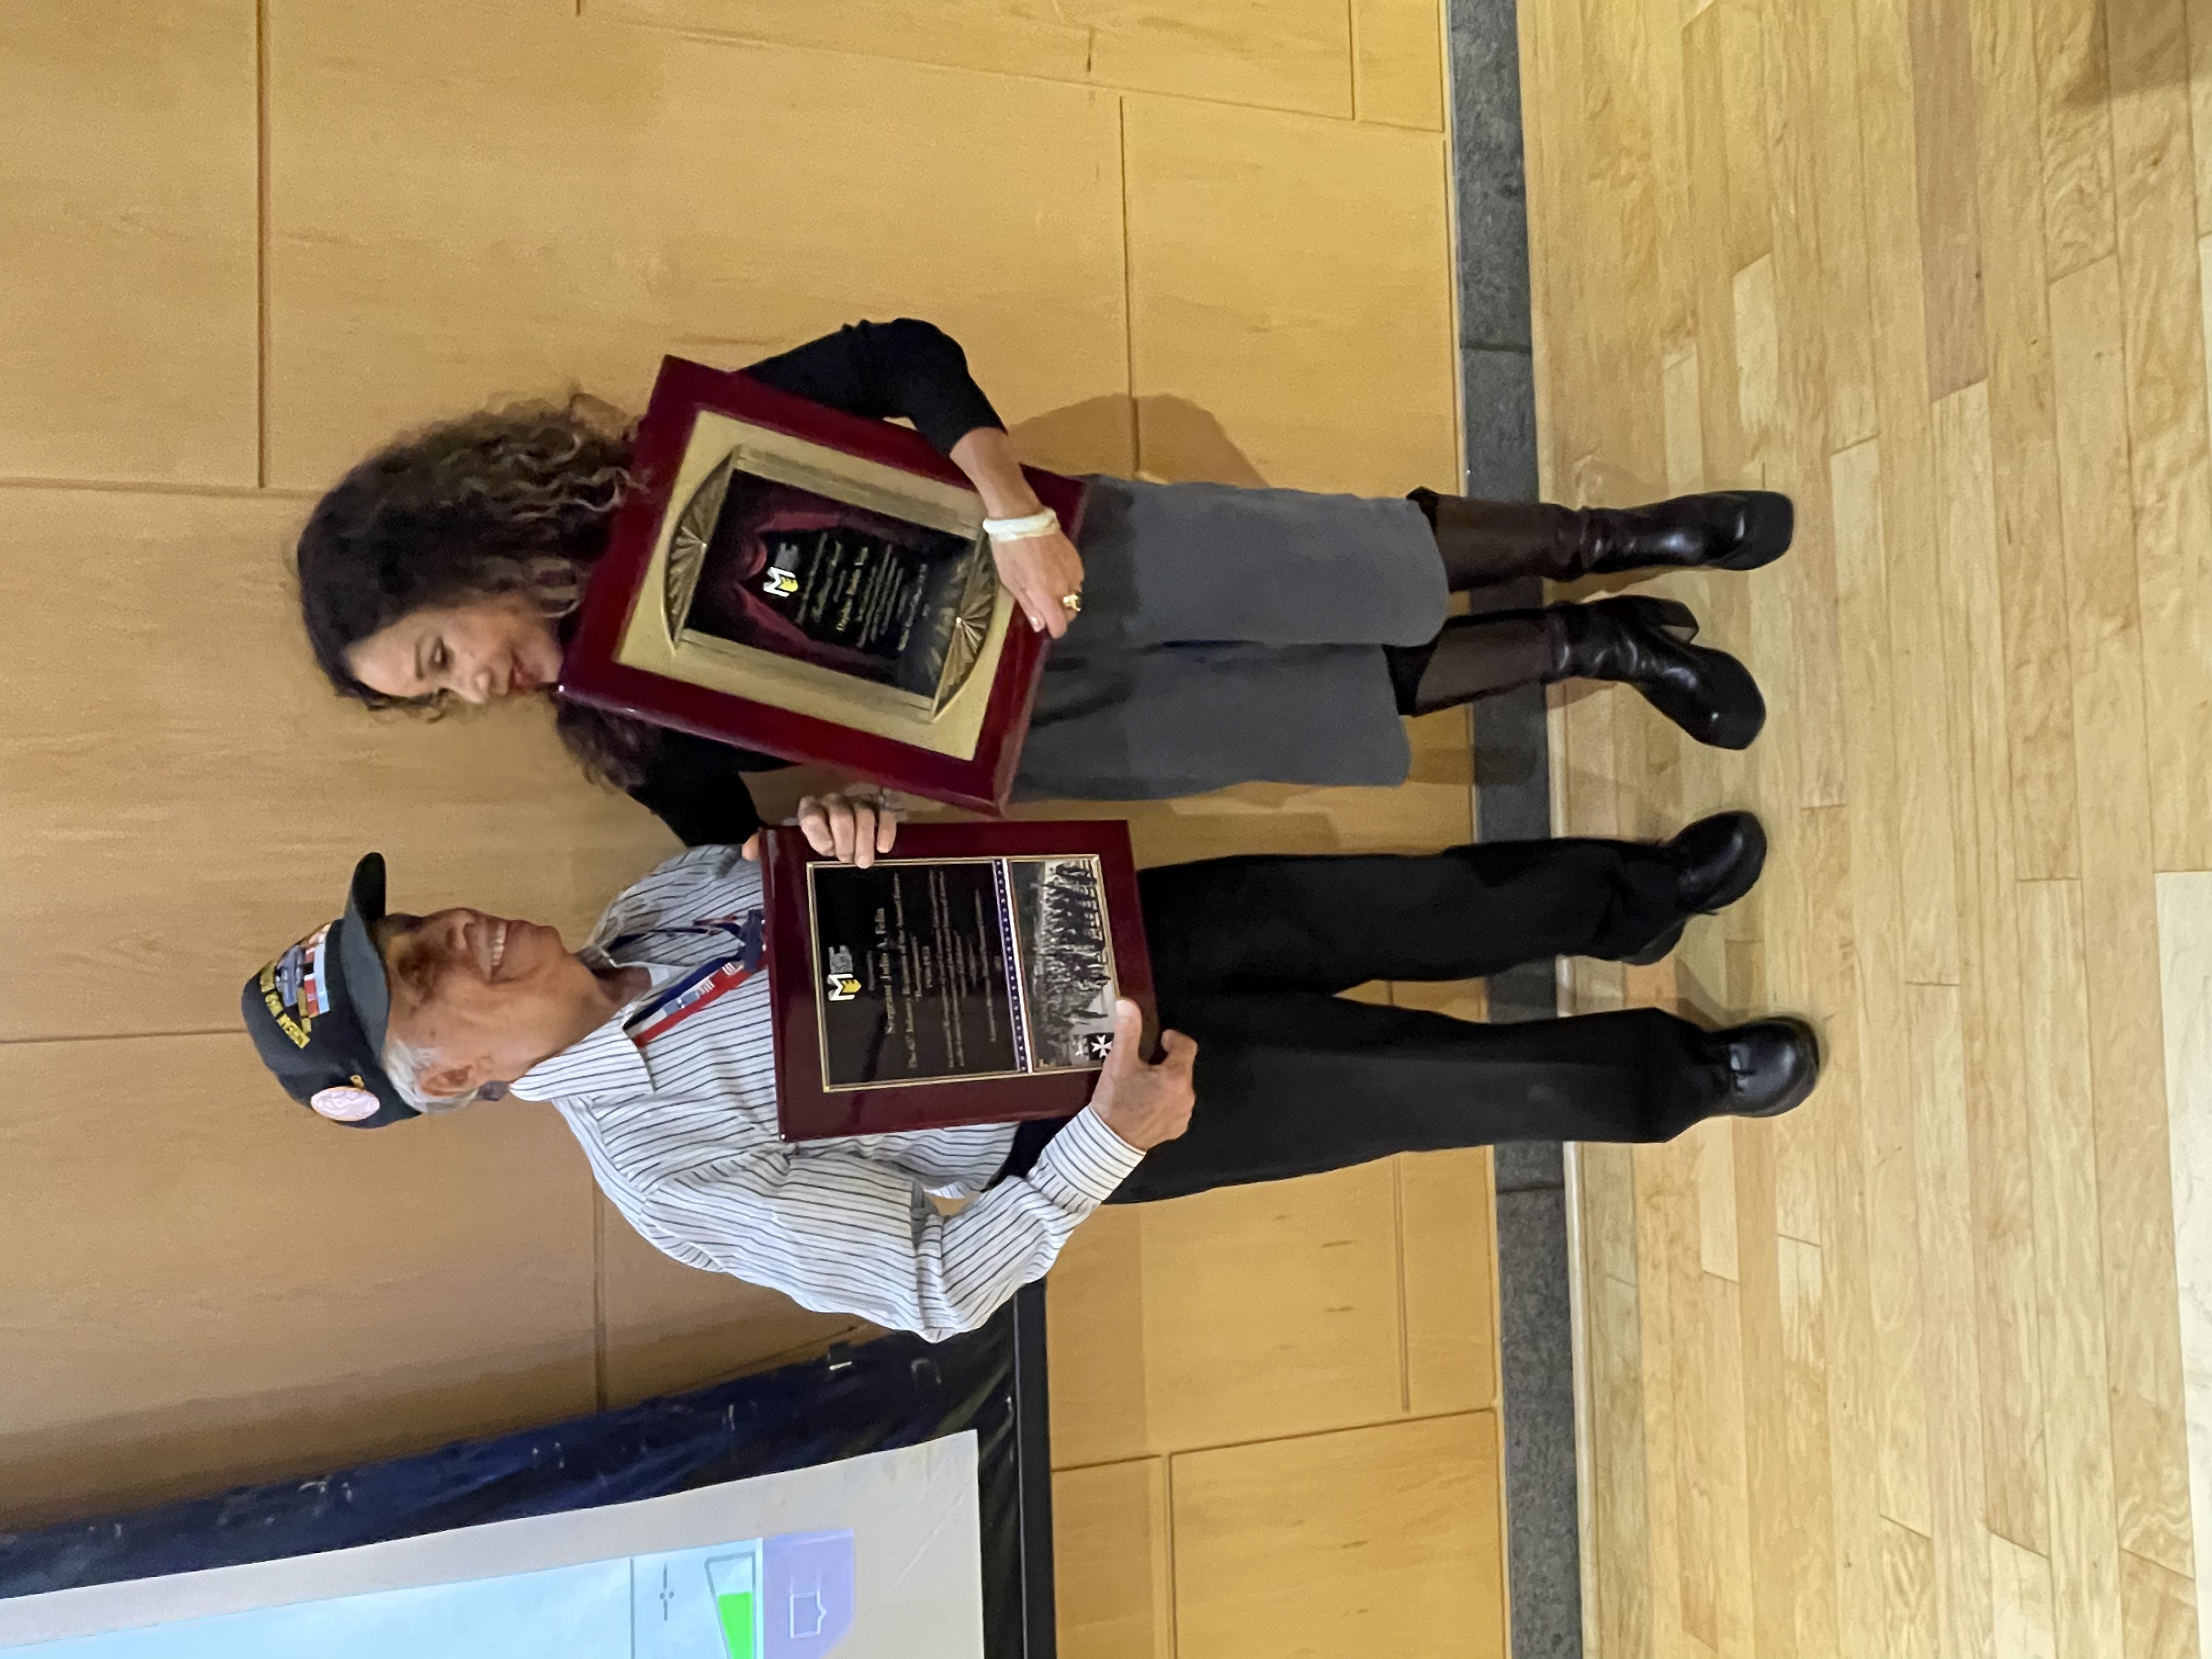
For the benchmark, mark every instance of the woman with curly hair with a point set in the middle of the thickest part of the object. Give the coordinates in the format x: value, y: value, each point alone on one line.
x: 1207, y: 636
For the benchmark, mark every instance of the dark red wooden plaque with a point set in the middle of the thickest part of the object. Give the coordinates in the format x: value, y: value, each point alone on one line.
x: 590, y: 671
x: 806, y: 1109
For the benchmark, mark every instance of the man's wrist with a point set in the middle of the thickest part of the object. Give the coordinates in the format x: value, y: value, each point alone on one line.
x: 1108, y: 1124
x: 1083, y: 1164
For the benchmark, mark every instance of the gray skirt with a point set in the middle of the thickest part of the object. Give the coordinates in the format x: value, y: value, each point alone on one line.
x: 1230, y: 636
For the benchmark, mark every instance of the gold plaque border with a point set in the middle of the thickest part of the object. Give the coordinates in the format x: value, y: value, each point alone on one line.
x: 1013, y: 922
x: 802, y: 688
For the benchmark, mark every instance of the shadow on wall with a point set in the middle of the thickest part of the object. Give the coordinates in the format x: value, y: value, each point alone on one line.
x: 1168, y: 439
x: 195, y: 1447
x: 2120, y: 47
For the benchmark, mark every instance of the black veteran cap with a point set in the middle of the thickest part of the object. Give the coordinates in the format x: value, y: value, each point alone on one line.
x: 318, y: 1014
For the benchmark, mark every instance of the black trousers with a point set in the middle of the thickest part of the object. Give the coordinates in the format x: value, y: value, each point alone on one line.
x: 1247, y: 954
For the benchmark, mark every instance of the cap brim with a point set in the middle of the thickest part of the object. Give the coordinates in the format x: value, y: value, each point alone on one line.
x: 359, y: 959
x: 365, y: 897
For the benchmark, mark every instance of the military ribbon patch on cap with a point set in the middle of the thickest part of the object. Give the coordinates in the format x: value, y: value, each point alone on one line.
x: 300, y: 976
x: 346, y: 1105
x: 315, y: 997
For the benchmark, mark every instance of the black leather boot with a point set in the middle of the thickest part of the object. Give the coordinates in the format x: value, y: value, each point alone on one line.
x: 1484, y: 542
x: 1726, y: 530
x: 1644, y: 643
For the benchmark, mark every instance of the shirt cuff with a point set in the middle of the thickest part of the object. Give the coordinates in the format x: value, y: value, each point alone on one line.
x: 1081, y: 1167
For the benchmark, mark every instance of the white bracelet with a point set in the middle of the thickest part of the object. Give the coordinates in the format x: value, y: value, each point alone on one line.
x: 1042, y: 522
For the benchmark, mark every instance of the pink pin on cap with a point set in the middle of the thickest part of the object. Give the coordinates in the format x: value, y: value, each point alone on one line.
x: 346, y: 1105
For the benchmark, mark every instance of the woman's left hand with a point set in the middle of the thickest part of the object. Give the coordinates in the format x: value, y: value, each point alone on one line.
x: 1042, y: 572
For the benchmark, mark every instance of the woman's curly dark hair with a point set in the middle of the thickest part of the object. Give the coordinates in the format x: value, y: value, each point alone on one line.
x: 504, y: 501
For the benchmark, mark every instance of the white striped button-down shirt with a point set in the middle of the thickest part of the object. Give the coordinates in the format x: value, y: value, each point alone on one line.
x: 681, y: 1133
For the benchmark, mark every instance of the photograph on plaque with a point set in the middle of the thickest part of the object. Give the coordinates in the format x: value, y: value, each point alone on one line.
x: 934, y: 970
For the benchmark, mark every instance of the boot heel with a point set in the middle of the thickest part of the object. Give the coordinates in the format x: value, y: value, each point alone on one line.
x: 1708, y: 693
x: 1668, y: 615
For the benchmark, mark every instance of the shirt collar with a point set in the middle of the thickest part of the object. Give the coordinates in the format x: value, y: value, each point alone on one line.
x: 606, y: 1063
x: 659, y: 976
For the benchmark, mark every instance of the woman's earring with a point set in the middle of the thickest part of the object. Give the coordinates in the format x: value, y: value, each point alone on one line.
x: 559, y: 586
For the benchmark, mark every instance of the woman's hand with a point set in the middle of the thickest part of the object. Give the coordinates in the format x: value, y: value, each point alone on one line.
x: 1041, y: 571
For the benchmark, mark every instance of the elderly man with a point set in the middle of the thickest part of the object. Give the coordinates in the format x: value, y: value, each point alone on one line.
x: 653, y: 1043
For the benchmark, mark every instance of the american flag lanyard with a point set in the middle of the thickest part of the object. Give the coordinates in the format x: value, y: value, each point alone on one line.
x: 704, y: 985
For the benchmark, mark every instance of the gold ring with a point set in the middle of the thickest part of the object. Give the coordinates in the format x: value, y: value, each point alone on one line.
x: 1071, y: 603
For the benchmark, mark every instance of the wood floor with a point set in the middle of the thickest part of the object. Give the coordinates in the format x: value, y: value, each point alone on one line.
x: 241, y: 242
x: 1908, y: 1372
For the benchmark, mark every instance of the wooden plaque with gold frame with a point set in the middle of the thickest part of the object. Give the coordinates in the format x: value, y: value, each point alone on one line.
x: 814, y: 584
x: 968, y: 977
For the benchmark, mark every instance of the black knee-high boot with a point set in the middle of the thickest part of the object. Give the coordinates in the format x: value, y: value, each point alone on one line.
x: 1484, y: 542
x: 1634, y: 640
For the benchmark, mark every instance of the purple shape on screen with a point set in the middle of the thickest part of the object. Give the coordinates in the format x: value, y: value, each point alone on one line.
x: 809, y: 1604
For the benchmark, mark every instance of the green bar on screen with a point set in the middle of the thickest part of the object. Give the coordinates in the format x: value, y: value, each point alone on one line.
x: 737, y: 1613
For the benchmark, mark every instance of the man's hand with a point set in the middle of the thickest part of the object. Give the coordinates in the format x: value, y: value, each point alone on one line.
x: 851, y: 828
x: 1040, y: 571
x: 1145, y: 1104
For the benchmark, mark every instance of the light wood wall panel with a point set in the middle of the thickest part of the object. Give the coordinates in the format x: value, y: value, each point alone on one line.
x: 1450, y: 1258
x: 1312, y: 1339
x: 185, y: 795
x: 1367, y: 1541
x: 1398, y: 62
x: 1010, y: 36
x: 467, y: 207
x: 1278, y: 1308
x: 663, y: 1326
x: 204, y: 1285
x: 129, y: 240
x: 1281, y: 54
x: 1112, y: 1557
x: 1218, y: 196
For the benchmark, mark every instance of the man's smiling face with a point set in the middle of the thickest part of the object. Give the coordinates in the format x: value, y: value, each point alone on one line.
x: 483, y: 998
